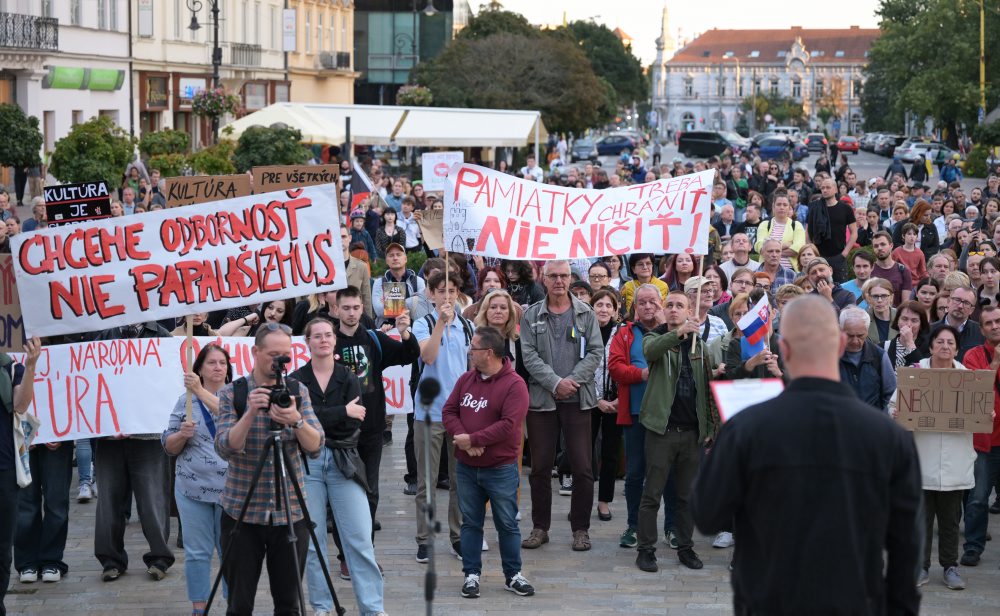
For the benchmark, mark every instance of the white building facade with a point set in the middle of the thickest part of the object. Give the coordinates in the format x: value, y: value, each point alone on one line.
x: 702, y: 85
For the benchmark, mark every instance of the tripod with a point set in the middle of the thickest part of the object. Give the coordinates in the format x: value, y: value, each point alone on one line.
x: 283, y: 471
x: 429, y: 389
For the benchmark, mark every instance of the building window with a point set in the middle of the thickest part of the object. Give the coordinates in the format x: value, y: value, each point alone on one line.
x: 722, y: 87
x: 857, y: 88
x: 782, y: 53
x: 47, y: 10
x: 739, y: 88
x: 756, y: 86
x: 333, y: 33
x: 309, y: 46
x: 256, y: 23
x: 74, y: 12
x: 797, y: 89
x: 319, y: 33
x: 113, y: 18
x: 246, y: 24
x: 839, y: 53
x: 275, y: 28
x: 755, y: 53
x: 178, y: 18
x: 819, y: 88
x: 102, y: 14
x: 688, y: 86
x: 774, y: 87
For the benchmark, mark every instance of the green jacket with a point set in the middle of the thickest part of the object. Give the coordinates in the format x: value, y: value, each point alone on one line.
x: 662, y: 351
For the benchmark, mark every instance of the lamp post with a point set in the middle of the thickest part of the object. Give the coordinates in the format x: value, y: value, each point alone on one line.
x: 195, y: 7
x: 428, y: 11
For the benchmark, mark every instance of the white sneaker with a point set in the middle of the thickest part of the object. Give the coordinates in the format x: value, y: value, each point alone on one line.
x: 85, y: 494
x: 51, y: 574
x: 486, y: 546
x: 566, y: 486
x: 518, y: 516
x: 29, y: 576
x: 723, y: 540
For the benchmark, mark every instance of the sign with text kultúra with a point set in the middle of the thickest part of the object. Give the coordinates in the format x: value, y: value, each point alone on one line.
x: 68, y: 204
x: 498, y: 215
x: 945, y: 399
x: 109, y: 387
x: 171, y: 263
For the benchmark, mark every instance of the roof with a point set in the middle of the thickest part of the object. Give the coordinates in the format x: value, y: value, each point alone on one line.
x: 622, y: 36
x: 842, y: 45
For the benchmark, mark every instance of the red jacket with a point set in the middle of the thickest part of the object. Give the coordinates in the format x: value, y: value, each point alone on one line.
x: 622, y: 371
x: 978, y: 358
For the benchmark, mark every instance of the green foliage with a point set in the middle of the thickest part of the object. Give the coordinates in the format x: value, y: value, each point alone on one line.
x: 215, y: 103
x: 263, y: 145
x: 611, y: 60
x: 988, y: 134
x: 414, y: 261
x: 517, y: 71
x: 975, y: 162
x: 170, y: 165
x: 417, y: 96
x: 167, y: 141
x: 927, y: 62
x: 93, y: 150
x: 22, y: 139
x: 214, y: 160
x: 783, y: 110
x: 492, y: 19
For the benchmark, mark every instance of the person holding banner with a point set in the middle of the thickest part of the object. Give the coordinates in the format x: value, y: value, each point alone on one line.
x: 947, y: 462
x: 201, y: 473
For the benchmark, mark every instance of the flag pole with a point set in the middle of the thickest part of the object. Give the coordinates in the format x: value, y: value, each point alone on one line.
x: 697, y: 301
x: 189, y: 326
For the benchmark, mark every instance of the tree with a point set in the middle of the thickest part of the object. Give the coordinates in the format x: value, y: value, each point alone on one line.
x: 926, y: 62
x: 492, y: 19
x: 517, y: 71
x: 166, y: 141
x: 22, y: 139
x: 94, y: 150
x: 611, y: 60
x: 831, y: 104
x: 214, y: 160
x: 263, y: 145
x: 783, y: 110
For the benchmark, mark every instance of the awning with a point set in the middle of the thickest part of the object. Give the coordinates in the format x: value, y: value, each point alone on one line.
x: 444, y: 127
x: 370, y: 124
x: 314, y: 129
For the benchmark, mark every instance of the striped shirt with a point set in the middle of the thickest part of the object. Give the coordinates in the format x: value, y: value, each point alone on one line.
x: 263, y: 510
x: 777, y: 233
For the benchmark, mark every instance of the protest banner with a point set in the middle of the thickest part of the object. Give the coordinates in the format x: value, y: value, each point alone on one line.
x: 12, y: 337
x: 171, y: 263
x: 945, y: 400
x: 732, y: 397
x: 68, y: 204
x: 431, y: 223
x: 103, y: 388
x: 192, y: 189
x: 435, y: 166
x: 493, y: 214
x: 283, y: 177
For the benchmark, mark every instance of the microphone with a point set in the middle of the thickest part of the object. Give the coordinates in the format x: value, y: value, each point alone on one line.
x: 428, y: 389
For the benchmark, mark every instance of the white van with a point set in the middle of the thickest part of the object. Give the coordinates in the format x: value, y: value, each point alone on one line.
x: 791, y: 131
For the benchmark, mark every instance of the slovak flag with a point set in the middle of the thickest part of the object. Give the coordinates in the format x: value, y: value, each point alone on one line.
x: 361, y: 186
x: 755, y: 326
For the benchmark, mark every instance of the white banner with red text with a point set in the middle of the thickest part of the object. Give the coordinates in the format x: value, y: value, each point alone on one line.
x: 493, y: 214
x: 104, y: 388
x: 175, y: 262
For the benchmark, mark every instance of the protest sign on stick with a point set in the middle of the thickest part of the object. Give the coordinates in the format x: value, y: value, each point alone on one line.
x: 945, y: 400
x: 170, y: 263
x: 68, y: 204
x: 109, y: 387
x: 431, y: 228
x: 188, y: 190
x: 12, y: 336
x: 435, y: 167
x: 498, y: 215
x: 282, y: 177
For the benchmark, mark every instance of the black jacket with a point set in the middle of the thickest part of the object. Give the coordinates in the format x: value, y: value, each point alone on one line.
x: 330, y: 404
x: 151, y: 329
x: 787, y: 472
x: 970, y: 336
x: 930, y: 243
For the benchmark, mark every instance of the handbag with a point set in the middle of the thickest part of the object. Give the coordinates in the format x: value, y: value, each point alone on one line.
x: 25, y: 430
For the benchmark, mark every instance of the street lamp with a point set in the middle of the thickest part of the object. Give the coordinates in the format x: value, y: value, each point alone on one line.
x: 195, y: 7
x: 429, y: 11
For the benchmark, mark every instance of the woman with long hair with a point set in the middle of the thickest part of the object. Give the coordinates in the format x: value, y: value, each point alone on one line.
x: 924, y: 293
x: 604, y: 419
x: 783, y: 228
x: 678, y: 268
x: 523, y: 287
x: 488, y: 279
x: 989, y: 272
x: 927, y: 235
x: 388, y: 233
x: 201, y: 473
x: 807, y: 253
x: 618, y: 275
x: 419, y: 195
x: 276, y: 311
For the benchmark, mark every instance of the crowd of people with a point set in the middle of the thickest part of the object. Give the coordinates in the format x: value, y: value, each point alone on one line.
x: 558, y: 366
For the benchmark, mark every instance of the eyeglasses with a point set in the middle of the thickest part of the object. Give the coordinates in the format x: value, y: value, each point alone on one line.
x: 642, y: 264
x: 964, y: 303
x: 273, y: 327
x: 761, y: 285
x: 977, y: 254
x: 880, y: 297
x: 741, y: 283
x: 558, y: 276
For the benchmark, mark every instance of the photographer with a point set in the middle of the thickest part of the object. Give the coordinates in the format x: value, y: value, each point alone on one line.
x: 240, y: 439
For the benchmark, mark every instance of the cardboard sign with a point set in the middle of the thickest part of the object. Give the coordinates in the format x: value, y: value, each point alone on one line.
x: 12, y: 336
x: 188, y: 190
x: 493, y: 214
x: 731, y: 397
x: 432, y: 228
x: 171, y: 263
x: 109, y: 387
x: 945, y: 400
x: 282, y: 177
x: 435, y: 166
x: 68, y: 204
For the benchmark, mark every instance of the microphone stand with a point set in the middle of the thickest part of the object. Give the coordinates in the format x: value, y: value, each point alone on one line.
x: 433, y: 526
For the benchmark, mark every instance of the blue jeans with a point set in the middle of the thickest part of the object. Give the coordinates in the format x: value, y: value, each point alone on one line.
x: 43, y: 510
x: 499, y: 485
x: 977, y: 500
x: 84, y: 460
x: 202, y: 536
x: 349, y: 503
x: 635, y: 476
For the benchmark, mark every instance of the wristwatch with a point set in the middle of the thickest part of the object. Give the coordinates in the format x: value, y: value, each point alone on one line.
x: 298, y: 424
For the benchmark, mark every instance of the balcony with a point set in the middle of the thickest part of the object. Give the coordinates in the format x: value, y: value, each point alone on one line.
x: 28, y: 32
x: 243, y: 54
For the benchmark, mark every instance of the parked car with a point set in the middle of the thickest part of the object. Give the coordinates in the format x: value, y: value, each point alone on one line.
x: 583, y: 148
x: 800, y: 150
x: 867, y: 142
x: 776, y: 147
x: 612, y: 145
x: 848, y: 144
x: 635, y: 135
x: 910, y: 151
x: 886, y: 144
x: 791, y: 131
x: 705, y: 143
x: 816, y: 142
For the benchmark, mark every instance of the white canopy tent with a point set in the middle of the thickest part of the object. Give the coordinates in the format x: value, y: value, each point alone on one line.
x: 406, y: 126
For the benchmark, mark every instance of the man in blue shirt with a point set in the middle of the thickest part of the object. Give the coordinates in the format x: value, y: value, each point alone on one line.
x: 445, y: 338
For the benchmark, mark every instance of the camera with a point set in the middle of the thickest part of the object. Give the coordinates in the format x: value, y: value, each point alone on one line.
x: 279, y: 395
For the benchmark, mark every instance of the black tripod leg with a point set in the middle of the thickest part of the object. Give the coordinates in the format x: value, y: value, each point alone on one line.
x: 257, y: 471
x: 281, y: 485
x: 311, y: 526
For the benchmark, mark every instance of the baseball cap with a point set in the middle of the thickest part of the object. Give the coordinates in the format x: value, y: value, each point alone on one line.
x: 394, y: 245
x: 695, y: 282
x: 815, y: 262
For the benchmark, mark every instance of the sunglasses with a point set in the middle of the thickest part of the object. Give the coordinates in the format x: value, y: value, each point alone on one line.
x: 273, y: 327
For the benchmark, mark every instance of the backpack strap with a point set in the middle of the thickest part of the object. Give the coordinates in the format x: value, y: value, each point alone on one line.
x: 378, y: 343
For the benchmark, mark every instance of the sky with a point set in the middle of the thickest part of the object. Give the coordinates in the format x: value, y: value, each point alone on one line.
x: 640, y: 19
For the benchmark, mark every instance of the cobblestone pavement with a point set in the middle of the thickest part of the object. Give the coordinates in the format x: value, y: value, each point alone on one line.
x: 602, y: 581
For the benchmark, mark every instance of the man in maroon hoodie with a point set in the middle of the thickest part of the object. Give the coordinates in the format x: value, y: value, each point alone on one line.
x: 484, y: 416
x: 987, y: 468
